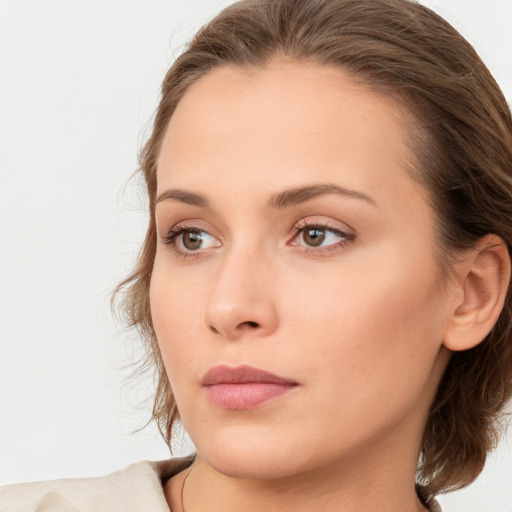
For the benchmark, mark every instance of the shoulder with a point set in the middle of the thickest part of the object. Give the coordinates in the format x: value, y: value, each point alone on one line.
x: 138, y: 487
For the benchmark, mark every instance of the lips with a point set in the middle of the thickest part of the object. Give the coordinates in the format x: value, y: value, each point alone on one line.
x: 243, y: 387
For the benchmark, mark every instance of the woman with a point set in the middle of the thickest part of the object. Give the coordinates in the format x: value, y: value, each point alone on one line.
x: 325, y: 282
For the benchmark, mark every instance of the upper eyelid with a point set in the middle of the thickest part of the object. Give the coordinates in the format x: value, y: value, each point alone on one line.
x: 305, y: 222
x: 179, y: 229
x: 338, y: 232
x: 310, y: 221
x: 192, y: 225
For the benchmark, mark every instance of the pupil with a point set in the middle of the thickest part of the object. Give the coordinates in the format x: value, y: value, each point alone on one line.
x: 314, y: 236
x: 192, y: 240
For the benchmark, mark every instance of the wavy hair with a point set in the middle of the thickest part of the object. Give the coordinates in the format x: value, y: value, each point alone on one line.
x: 462, y: 140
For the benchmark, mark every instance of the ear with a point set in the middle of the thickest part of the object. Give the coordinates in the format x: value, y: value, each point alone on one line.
x: 480, y: 291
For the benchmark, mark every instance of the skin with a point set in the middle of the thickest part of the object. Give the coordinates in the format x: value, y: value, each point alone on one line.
x: 358, y: 322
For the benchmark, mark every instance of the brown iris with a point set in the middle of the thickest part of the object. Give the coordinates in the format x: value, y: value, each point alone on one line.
x: 314, y: 236
x: 192, y: 240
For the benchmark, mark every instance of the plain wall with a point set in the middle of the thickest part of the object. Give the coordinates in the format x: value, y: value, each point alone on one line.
x: 79, y: 82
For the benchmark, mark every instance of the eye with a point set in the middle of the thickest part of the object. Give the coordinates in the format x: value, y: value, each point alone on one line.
x: 320, y: 237
x: 188, y: 240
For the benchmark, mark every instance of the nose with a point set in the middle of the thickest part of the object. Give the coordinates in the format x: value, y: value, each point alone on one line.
x: 242, y: 297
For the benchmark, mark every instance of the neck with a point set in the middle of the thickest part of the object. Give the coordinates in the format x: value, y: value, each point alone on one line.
x: 349, y: 485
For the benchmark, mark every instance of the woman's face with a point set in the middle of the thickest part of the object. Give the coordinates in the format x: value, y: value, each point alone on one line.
x: 292, y: 241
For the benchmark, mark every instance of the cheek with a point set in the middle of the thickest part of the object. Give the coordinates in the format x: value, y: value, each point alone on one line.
x: 175, y: 311
x: 375, y: 325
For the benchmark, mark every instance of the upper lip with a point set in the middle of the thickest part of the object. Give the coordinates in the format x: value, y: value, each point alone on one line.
x: 244, y: 374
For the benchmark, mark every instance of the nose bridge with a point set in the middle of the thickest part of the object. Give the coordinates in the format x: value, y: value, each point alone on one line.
x: 241, y: 295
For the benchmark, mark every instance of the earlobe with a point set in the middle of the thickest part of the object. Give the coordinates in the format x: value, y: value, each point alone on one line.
x: 482, y: 290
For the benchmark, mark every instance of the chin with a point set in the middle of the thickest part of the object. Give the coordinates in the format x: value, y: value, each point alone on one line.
x: 252, y: 455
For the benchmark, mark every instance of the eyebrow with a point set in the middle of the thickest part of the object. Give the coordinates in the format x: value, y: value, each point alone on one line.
x: 300, y: 195
x: 183, y: 197
x: 285, y: 199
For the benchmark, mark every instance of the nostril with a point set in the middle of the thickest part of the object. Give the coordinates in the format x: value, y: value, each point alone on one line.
x: 251, y: 324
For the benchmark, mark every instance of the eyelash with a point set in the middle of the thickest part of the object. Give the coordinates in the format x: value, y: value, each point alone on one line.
x: 303, y: 226
x: 170, y: 239
x: 172, y: 235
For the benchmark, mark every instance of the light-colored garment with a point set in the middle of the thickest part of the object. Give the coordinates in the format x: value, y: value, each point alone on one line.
x: 138, y: 488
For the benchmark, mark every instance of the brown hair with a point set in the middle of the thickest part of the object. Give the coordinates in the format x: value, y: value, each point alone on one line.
x: 463, y: 145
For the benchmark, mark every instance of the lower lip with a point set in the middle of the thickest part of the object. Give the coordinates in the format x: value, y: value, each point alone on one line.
x: 245, y: 395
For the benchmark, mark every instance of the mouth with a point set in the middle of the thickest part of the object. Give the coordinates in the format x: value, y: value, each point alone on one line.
x: 243, y: 387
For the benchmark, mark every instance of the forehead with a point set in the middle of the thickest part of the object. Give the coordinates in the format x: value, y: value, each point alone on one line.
x: 285, y: 124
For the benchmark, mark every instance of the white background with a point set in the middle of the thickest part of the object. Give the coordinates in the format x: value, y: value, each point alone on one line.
x: 79, y: 83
